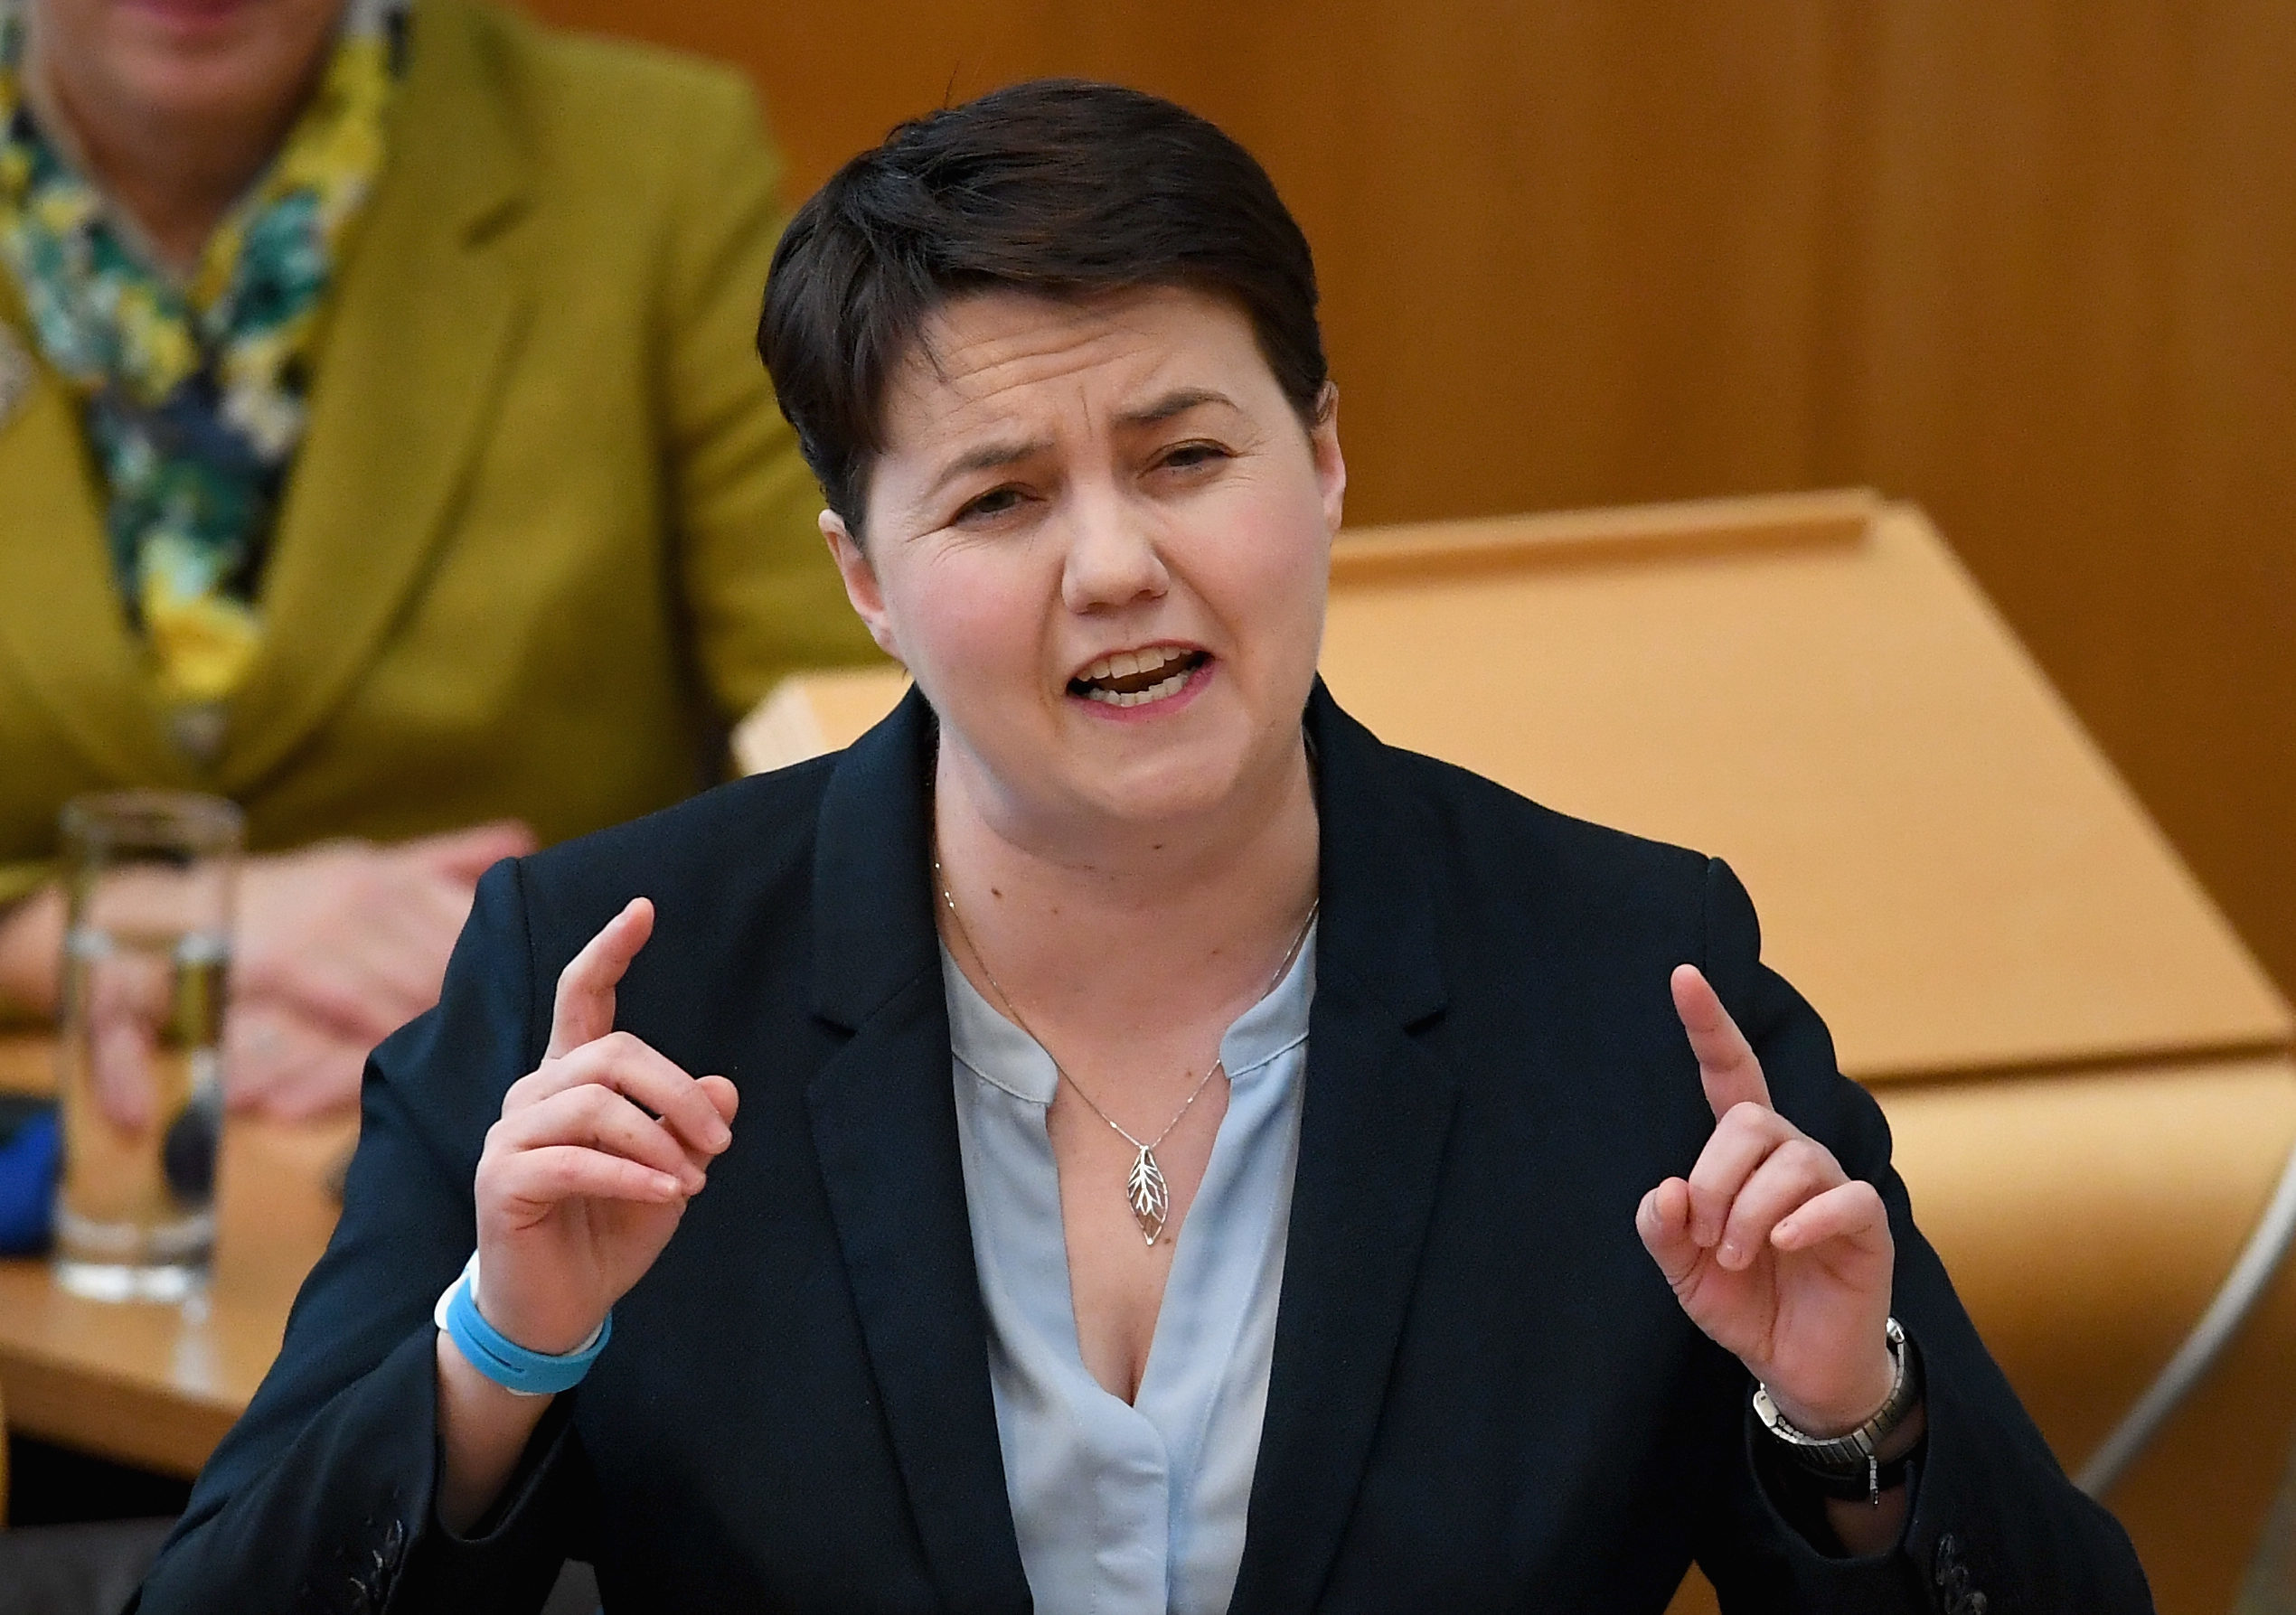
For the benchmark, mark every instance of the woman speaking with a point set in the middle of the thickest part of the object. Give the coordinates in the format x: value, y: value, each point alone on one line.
x: 1164, y: 1149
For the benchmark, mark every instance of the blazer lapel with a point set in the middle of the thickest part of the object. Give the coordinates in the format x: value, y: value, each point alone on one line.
x: 60, y: 609
x: 428, y: 310
x: 884, y: 1126
x: 1372, y: 1132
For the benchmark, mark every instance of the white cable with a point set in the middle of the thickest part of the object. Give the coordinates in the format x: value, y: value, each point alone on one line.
x: 2243, y: 1288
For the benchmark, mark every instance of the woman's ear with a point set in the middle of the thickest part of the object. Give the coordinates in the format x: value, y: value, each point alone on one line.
x: 1330, y: 465
x: 860, y: 582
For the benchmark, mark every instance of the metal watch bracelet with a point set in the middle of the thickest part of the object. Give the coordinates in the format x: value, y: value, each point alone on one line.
x: 1842, y: 1457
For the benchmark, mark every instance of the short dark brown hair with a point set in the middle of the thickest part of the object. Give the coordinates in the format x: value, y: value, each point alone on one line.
x: 1058, y: 187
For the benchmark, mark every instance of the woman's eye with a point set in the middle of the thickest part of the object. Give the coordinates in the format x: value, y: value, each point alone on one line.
x: 995, y: 503
x: 1188, y: 456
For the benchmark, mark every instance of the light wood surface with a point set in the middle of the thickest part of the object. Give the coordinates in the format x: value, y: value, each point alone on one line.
x: 158, y: 1385
x: 1944, y: 862
x: 1810, y: 687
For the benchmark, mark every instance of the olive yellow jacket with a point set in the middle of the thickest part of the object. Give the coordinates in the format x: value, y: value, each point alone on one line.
x: 548, y: 534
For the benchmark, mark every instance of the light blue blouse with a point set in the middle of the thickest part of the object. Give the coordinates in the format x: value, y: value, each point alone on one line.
x: 1131, y: 1509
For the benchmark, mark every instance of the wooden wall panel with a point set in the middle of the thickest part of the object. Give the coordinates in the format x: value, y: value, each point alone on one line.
x: 2076, y: 344
x: 2025, y: 265
x: 1561, y: 247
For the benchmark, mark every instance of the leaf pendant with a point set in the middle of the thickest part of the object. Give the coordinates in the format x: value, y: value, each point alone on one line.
x: 1151, y: 1200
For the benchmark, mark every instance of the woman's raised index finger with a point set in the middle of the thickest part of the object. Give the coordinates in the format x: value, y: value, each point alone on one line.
x: 1727, y: 1063
x: 584, y: 1010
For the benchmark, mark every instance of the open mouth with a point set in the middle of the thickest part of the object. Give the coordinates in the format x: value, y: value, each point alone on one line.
x: 1134, y: 678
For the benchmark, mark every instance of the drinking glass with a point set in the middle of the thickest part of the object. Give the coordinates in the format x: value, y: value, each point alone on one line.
x: 148, y: 950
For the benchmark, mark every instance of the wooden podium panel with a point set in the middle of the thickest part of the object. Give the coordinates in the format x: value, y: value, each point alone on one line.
x: 1810, y: 687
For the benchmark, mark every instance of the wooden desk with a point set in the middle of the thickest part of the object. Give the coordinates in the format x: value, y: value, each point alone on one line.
x: 158, y: 1385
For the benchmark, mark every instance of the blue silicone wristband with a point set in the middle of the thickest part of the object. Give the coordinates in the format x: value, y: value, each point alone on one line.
x: 503, y: 1360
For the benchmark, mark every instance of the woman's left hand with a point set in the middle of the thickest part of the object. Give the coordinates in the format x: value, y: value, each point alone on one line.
x: 1773, y: 1251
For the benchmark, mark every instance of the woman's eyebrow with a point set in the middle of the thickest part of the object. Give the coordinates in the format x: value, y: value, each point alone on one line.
x: 988, y: 457
x: 996, y: 455
x: 1178, y: 402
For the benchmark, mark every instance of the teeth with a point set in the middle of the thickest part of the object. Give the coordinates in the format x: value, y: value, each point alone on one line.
x: 1119, y: 664
x: 1154, y: 692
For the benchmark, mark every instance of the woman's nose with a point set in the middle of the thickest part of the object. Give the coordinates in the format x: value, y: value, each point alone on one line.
x: 1113, y: 557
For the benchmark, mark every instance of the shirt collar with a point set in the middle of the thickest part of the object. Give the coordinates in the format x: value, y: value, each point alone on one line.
x: 1001, y: 1054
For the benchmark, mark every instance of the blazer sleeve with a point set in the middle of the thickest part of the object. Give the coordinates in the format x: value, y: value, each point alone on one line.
x: 763, y: 597
x: 320, y: 1497
x: 1992, y: 1514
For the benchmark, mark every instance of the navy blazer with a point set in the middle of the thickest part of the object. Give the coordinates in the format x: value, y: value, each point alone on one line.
x: 1483, y: 1395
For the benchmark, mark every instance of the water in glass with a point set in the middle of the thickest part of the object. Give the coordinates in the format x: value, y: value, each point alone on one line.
x: 146, y: 969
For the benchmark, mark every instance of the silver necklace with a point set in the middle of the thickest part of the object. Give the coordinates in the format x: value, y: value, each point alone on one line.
x: 1145, y: 1190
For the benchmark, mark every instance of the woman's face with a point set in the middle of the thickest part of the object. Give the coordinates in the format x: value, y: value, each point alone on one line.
x: 1100, y: 538
x: 182, y: 60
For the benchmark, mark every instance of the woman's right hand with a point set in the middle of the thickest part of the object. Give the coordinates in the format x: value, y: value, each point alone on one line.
x: 586, y: 1175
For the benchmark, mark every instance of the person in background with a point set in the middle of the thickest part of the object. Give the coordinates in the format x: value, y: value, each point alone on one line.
x: 381, y: 446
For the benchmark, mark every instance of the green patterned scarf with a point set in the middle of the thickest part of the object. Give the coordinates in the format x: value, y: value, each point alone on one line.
x: 193, y: 393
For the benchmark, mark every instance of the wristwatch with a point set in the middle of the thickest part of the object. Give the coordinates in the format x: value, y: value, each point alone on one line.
x: 1843, y: 1460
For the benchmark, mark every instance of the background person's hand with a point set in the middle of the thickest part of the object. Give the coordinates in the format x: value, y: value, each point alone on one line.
x: 588, y: 1173
x: 1773, y: 1251
x: 336, y: 946
x: 280, y: 1062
